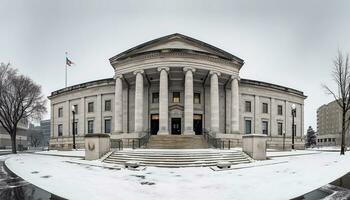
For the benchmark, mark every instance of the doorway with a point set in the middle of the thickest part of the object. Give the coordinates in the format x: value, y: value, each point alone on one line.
x: 176, y: 126
x: 154, y: 124
x: 197, y: 124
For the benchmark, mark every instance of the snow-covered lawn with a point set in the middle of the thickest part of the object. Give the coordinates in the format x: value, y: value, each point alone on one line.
x: 75, y: 153
x: 299, y: 175
x: 272, y: 154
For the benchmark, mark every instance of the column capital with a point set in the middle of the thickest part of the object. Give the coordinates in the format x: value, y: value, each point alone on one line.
x: 163, y: 68
x: 138, y: 71
x: 233, y: 77
x: 215, y: 72
x: 189, y: 68
x: 116, y: 76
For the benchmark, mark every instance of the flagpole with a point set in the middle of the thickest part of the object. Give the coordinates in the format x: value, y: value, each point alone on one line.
x: 66, y: 71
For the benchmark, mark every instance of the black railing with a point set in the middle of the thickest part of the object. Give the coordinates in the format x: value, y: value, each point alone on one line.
x: 220, y: 143
x: 117, y: 144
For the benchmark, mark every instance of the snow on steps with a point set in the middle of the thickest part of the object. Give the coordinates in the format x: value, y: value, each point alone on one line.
x: 178, y: 158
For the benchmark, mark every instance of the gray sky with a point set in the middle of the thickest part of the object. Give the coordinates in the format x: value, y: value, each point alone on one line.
x: 291, y: 43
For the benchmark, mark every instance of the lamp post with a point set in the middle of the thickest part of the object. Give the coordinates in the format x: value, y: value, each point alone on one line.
x: 73, y: 126
x: 293, y: 127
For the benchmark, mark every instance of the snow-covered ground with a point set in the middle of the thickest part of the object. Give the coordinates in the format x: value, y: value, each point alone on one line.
x: 75, y: 153
x: 285, y: 180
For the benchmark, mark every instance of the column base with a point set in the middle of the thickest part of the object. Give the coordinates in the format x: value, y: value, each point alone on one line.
x: 189, y: 133
x: 163, y: 133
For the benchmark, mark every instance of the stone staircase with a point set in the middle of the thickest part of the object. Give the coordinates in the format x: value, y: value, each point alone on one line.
x: 178, y: 158
x: 177, y: 142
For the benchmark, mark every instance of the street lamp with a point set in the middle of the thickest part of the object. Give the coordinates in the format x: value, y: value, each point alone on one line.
x: 73, y: 125
x: 293, y: 127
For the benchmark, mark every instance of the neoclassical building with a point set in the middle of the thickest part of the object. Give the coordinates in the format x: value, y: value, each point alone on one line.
x: 177, y: 85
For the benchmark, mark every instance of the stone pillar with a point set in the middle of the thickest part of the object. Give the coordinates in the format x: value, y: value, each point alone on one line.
x: 118, y: 105
x: 257, y: 114
x: 214, y: 102
x: 138, y: 101
x: 188, y: 101
x: 163, y: 101
x: 234, y: 105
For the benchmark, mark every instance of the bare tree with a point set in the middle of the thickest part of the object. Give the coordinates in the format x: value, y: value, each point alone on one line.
x: 20, y: 98
x: 341, y: 76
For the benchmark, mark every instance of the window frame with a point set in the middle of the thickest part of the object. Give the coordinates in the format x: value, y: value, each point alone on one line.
x: 110, y: 126
x: 280, y: 129
x: 265, y: 105
x: 92, y: 108
x: 60, y: 130
x: 60, y: 112
x: 267, y: 127
x: 198, y: 95
x: 246, y: 106
x: 245, y: 126
x: 179, y: 97
x: 279, y: 108
x: 90, y: 129
x: 155, y: 97
x: 108, y: 101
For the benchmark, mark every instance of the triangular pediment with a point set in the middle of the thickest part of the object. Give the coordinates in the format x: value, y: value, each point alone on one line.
x: 176, y: 41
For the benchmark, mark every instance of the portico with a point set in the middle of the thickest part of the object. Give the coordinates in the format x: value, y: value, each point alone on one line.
x: 176, y: 100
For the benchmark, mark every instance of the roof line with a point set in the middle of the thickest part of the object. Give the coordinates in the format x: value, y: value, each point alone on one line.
x: 227, y: 54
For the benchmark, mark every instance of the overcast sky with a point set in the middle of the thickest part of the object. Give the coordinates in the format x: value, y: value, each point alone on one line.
x: 290, y: 43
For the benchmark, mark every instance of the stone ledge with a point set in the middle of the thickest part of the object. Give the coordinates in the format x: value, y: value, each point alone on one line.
x: 97, y: 135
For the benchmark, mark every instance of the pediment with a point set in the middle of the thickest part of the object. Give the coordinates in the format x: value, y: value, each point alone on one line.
x: 176, y: 41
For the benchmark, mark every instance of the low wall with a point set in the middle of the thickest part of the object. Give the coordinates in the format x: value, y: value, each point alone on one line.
x: 96, y: 145
x: 255, y: 146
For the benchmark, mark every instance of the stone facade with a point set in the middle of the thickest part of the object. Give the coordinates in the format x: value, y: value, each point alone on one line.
x: 177, y: 85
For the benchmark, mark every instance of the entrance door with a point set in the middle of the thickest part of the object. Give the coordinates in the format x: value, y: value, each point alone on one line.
x: 197, y: 124
x: 154, y: 124
x: 176, y: 126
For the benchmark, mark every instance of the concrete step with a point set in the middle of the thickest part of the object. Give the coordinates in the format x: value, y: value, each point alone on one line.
x: 177, y: 158
x: 177, y: 142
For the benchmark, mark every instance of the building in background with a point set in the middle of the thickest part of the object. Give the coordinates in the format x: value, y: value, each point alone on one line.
x: 177, y: 85
x: 329, y: 123
x: 21, y: 137
x: 45, y: 126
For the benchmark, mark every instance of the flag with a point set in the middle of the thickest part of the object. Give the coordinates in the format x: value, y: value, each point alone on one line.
x: 69, y: 62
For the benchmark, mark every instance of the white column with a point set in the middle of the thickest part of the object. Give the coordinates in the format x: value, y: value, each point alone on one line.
x: 163, y: 101
x: 214, y: 102
x: 138, y: 101
x: 118, y: 105
x: 234, y: 105
x: 189, y: 100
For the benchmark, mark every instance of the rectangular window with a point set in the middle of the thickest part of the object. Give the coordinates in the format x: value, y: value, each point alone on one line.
x: 60, y: 112
x: 91, y: 107
x: 279, y: 110
x: 248, y: 126
x: 197, y: 98
x: 265, y: 108
x: 155, y: 97
x: 91, y: 126
x: 320, y: 140
x: 108, y: 106
x: 176, y: 97
x: 107, y: 125
x: 280, y: 128
x: 329, y: 139
x: 265, y: 127
x: 59, y: 128
x: 76, y: 109
x: 76, y: 128
x: 333, y: 139
x: 248, y: 106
